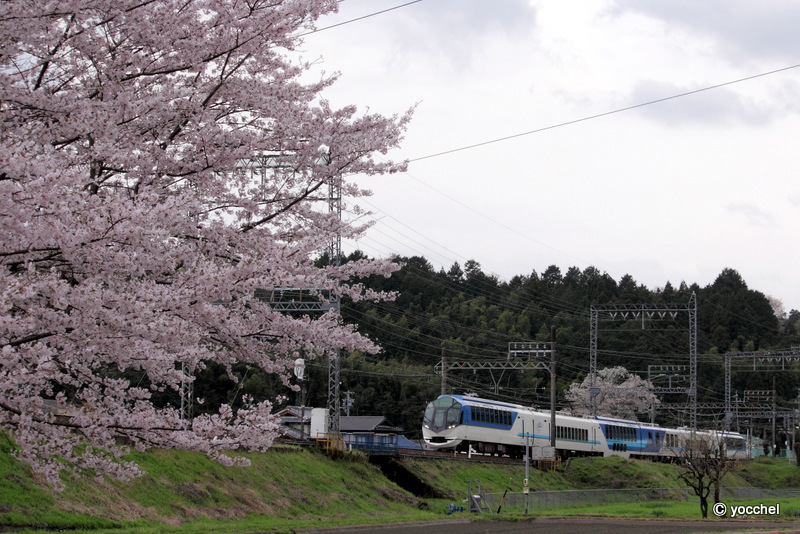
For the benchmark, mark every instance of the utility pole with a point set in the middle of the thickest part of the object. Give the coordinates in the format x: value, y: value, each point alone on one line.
x: 444, y: 373
x: 553, y: 386
x: 348, y: 402
x: 525, y: 483
x: 774, y: 417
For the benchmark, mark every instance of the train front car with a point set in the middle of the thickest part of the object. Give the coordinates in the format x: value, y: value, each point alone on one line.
x: 440, y: 423
x: 470, y: 424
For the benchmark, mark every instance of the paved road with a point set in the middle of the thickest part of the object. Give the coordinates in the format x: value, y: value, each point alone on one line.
x: 573, y: 526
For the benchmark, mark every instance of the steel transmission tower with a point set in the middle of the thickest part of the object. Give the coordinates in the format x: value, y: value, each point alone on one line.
x: 335, y: 257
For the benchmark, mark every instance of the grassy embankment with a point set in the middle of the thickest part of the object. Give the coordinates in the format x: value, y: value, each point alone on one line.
x: 287, y: 490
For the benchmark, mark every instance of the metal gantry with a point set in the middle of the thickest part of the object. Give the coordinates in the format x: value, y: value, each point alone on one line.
x: 646, y: 313
x: 768, y: 360
x: 658, y: 375
x: 531, y: 350
x: 302, y: 300
x: 331, y: 300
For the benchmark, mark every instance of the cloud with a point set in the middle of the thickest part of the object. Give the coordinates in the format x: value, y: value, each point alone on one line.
x: 755, y: 216
x: 717, y: 106
x: 742, y: 30
x: 457, y: 29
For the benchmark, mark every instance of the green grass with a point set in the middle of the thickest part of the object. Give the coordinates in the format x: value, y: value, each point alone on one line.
x: 765, y: 472
x: 23, y: 502
x: 180, y: 488
x: 616, y: 472
x: 452, y: 477
x: 291, y: 489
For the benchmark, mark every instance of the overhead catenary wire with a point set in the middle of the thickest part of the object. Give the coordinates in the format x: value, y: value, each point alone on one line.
x: 317, y: 30
x: 603, y: 114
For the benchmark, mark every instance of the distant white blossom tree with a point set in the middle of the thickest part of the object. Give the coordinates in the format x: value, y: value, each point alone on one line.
x: 619, y: 394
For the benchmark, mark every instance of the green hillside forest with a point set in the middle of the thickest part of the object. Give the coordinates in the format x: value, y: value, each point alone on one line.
x: 466, y: 314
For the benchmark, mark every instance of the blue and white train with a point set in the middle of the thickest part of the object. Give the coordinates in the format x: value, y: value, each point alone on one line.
x: 461, y: 423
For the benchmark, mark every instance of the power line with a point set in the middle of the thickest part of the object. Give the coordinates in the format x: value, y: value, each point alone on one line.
x: 359, y: 18
x: 599, y: 115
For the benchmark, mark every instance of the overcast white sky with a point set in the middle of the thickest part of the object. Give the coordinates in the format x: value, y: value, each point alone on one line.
x: 675, y: 191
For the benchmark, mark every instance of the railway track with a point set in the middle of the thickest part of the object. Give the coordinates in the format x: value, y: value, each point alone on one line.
x: 458, y: 456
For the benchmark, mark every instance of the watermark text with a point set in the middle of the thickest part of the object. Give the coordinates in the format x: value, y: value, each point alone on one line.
x: 721, y: 509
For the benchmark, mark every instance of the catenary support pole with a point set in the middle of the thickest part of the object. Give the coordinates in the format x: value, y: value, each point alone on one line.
x: 553, y: 386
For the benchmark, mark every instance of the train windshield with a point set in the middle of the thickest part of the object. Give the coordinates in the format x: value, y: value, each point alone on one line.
x: 734, y: 442
x: 442, y: 413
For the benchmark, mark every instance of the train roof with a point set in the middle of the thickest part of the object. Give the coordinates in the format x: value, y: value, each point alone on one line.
x: 616, y: 420
x: 478, y: 401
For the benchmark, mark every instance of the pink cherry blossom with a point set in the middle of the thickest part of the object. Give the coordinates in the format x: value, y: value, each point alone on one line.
x: 133, y: 236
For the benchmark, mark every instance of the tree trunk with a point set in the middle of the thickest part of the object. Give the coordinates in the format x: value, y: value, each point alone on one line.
x: 704, y: 507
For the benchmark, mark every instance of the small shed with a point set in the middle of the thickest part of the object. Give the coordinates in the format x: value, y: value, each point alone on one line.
x: 303, y: 422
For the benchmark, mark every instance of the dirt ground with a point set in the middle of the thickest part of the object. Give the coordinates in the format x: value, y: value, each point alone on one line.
x: 577, y: 526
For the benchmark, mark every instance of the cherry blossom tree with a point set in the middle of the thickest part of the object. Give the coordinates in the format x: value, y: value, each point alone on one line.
x: 619, y: 394
x: 133, y: 239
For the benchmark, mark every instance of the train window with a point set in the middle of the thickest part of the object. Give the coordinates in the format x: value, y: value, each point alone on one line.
x: 438, y: 419
x: 453, y: 416
x: 621, y: 433
x: 442, y: 412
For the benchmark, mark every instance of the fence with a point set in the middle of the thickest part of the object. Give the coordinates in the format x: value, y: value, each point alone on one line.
x: 553, y: 499
x: 758, y: 493
x: 371, y: 443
